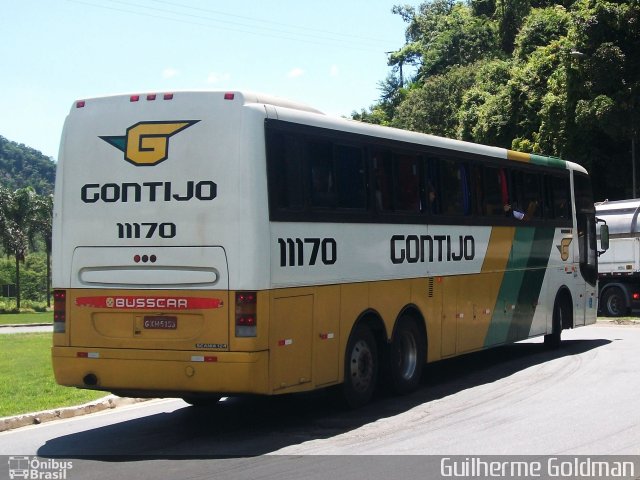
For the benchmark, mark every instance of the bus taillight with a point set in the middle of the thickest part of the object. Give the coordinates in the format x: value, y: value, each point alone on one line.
x: 246, y: 314
x: 59, y: 311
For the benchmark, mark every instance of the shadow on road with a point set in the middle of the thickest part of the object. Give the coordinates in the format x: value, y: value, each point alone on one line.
x: 251, y: 426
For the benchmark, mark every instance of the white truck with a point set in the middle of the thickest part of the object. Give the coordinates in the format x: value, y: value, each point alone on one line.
x: 619, y: 266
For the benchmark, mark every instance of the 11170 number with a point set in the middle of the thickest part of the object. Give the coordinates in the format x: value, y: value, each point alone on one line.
x: 297, y: 252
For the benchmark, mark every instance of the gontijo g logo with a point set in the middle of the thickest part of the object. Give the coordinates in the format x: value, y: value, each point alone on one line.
x: 147, y: 143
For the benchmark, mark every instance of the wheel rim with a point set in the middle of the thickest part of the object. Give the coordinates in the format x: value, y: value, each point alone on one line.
x: 361, y: 366
x: 407, y: 355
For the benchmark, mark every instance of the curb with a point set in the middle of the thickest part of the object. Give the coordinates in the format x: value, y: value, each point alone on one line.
x: 17, y: 325
x: 36, y: 418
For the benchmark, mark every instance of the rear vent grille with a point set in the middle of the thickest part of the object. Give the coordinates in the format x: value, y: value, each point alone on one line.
x: 430, y: 287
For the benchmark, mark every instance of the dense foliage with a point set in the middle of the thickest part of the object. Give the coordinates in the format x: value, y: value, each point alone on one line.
x: 22, y: 166
x: 26, y: 206
x: 559, y: 78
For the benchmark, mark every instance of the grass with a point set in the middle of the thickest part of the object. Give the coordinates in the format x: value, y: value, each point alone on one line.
x: 18, y: 318
x: 26, y: 377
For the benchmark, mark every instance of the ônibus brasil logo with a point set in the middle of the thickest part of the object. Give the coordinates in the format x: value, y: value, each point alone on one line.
x: 147, y: 143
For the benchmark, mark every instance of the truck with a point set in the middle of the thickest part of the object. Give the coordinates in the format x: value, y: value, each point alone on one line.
x: 619, y: 266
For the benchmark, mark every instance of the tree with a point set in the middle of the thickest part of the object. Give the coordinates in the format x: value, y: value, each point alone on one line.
x: 19, y: 226
x: 42, y: 222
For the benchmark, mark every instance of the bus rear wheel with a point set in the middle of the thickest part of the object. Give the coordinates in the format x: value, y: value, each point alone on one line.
x: 360, y: 367
x: 407, y: 356
x: 204, y: 401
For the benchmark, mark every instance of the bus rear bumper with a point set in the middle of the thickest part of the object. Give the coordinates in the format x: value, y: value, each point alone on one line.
x: 162, y: 373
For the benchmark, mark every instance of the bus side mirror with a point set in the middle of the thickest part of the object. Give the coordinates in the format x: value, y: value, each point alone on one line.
x: 604, y: 238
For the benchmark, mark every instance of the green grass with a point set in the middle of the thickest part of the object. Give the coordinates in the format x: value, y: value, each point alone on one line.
x: 26, y: 377
x: 13, y: 318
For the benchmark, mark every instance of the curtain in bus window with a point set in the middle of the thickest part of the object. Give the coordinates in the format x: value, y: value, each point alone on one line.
x: 350, y: 177
x: 323, y: 185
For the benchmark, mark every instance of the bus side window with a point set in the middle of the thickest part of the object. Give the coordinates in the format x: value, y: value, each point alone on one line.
x: 477, y: 190
x: 455, y: 188
x: 407, y: 184
x: 323, y: 183
x: 561, y: 197
x: 383, y: 179
x: 432, y: 183
x: 350, y: 177
x: 532, y: 195
x: 493, y: 202
x: 285, y: 157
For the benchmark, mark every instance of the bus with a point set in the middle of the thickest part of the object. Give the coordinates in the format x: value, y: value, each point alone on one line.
x: 211, y: 244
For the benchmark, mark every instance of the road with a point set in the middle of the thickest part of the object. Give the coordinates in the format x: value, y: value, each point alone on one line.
x: 520, y: 399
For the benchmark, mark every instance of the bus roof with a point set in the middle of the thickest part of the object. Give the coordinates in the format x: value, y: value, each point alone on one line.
x: 294, y: 111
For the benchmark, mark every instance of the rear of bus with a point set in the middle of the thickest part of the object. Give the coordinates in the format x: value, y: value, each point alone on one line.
x: 160, y: 208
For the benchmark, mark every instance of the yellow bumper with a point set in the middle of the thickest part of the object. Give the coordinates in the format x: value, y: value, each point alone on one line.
x: 162, y: 371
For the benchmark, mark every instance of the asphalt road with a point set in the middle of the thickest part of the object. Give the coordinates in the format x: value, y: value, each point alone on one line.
x: 517, y: 400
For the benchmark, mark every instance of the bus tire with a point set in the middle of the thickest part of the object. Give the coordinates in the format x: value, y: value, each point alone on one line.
x: 613, y: 302
x: 360, y: 367
x: 407, y: 354
x: 204, y: 401
x: 561, y: 311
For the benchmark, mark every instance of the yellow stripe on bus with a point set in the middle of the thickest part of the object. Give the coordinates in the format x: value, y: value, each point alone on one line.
x: 518, y: 156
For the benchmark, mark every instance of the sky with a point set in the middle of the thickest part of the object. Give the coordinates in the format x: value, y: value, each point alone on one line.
x: 329, y: 54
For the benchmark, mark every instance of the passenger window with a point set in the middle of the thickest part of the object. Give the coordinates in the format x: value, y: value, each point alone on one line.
x: 407, y: 192
x: 397, y: 181
x: 561, y: 197
x: 495, y: 192
x: 350, y: 177
x: 323, y: 182
x: 383, y: 179
x: 287, y: 153
x: 455, y: 188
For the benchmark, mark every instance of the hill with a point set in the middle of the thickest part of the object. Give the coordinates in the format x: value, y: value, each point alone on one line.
x: 22, y: 166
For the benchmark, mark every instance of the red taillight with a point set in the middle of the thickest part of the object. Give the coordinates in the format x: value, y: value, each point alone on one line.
x: 151, y: 96
x: 168, y: 96
x: 246, y: 314
x: 80, y: 103
x: 636, y: 295
x: 229, y: 96
x: 134, y: 98
x: 59, y: 311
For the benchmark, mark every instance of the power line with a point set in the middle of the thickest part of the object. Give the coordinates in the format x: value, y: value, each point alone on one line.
x: 209, y: 22
x: 286, y: 25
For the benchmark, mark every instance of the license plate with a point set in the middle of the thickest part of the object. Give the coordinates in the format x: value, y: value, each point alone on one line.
x: 160, y: 323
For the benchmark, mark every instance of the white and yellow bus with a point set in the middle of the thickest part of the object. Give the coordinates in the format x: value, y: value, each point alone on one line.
x: 208, y: 244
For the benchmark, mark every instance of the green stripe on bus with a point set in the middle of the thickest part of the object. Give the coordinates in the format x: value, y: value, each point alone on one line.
x: 548, y: 161
x: 521, y: 285
x: 531, y: 284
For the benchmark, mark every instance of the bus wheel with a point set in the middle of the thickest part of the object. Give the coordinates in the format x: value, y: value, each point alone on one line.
x: 202, y: 400
x: 560, y: 313
x: 407, y: 356
x: 613, y: 302
x: 360, y: 367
